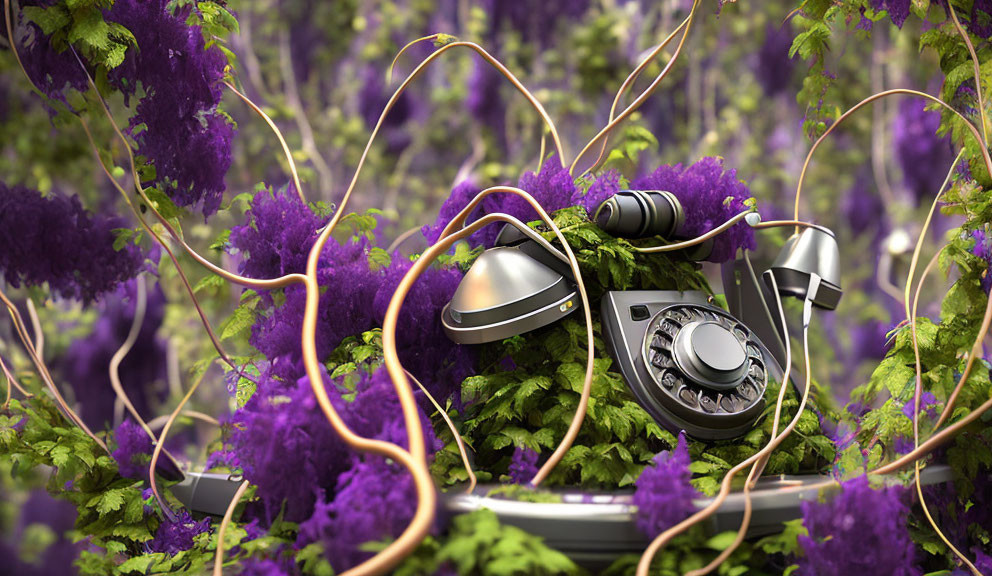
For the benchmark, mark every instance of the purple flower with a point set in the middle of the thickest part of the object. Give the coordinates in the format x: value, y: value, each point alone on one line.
x: 981, y: 19
x: 663, y: 494
x: 928, y: 403
x: 710, y: 196
x: 52, y: 70
x: 919, y: 150
x: 461, y: 195
x: 54, y: 239
x: 485, y: 102
x: 284, y: 445
x: 374, y: 500
x: 174, y: 536
x: 983, y: 250
x: 898, y: 9
x: 534, y: 20
x: 266, y: 567
x: 372, y: 100
x: 552, y: 187
x: 863, y: 208
x: 774, y: 65
x: 523, y: 465
x: 606, y: 185
x: 59, y: 516
x: 348, y: 289
x: 134, y: 448
x: 177, y: 124
x: 857, y: 531
x: 143, y: 371
x: 278, y: 235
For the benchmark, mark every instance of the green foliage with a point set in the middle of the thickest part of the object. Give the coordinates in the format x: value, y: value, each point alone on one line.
x: 479, y: 544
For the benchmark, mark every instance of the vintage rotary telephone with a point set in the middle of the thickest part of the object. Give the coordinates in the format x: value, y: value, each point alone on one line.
x: 692, y: 365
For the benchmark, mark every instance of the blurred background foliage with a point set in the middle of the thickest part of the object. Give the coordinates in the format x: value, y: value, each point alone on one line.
x: 320, y: 70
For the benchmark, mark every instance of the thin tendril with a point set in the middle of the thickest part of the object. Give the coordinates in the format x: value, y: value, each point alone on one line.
x: 631, y: 79
x: 977, y: 69
x: 159, y: 446
x: 633, y: 106
x: 39, y: 335
x: 278, y: 133
x: 228, y: 515
x: 472, y: 480
x: 46, y: 376
x: 869, y: 100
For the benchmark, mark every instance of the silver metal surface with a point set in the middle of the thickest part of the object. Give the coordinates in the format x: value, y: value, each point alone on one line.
x: 506, y: 292
x: 595, y: 528
x: 814, y: 250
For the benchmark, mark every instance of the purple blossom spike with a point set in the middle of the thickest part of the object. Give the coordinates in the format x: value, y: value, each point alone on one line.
x: 663, y: 494
x: 710, y: 196
x: 174, y: 536
x: 983, y: 250
x: 134, y: 448
x: 284, y: 445
x: 898, y: 10
x: 857, y: 531
x: 774, y: 66
x: 461, y: 195
x: 523, y: 465
x: 54, y: 239
x: 928, y: 404
x: 52, y: 70
x: 177, y: 124
x: 278, y: 235
x: 373, y: 501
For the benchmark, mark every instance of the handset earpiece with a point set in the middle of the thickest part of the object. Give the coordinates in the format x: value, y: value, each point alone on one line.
x: 640, y: 214
x: 519, y: 285
x: 811, y: 252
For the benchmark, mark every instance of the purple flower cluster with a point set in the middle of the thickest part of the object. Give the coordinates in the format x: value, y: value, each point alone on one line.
x: 54, y: 239
x: 52, y: 70
x: 284, y: 445
x: 374, y: 499
x: 174, y: 536
x: 534, y: 20
x: 143, y: 371
x: 928, y: 404
x: 348, y: 288
x: 663, y: 494
x: 552, y: 187
x: 981, y: 19
x: 278, y: 235
x: 983, y: 250
x: 523, y: 465
x: 177, y: 124
x: 856, y: 532
x: 918, y: 150
x: 710, y: 196
x: 372, y: 100
x: 134, y: 447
